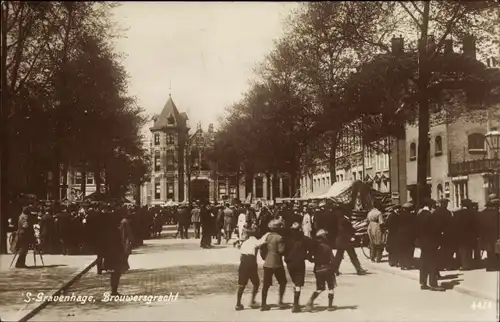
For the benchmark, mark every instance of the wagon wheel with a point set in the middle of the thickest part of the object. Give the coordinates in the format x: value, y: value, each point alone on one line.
x: 365, y: 245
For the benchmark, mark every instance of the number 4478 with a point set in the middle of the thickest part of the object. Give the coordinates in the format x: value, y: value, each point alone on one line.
x: 481, y: 305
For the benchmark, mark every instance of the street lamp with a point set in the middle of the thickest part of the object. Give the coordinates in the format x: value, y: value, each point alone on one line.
x: 492, y: 139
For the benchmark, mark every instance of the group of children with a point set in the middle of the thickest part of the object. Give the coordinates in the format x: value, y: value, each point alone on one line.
x: 295, y: 248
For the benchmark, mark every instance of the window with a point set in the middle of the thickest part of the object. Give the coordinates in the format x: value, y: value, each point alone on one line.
x: 354, y: 176
x: 170, y: 160
x: 438, y: 146
x: 324, y: 182
x: 369, y: 157
x: 341, y: 177
x: 232, y: 191
x: 157, y: 190
x: 222, y: 190
x: 90, y: 178
x: 157, y: 138
x: 413, y: 152
x: 447, y: 190
x: 476, y: 143
x: 78, y: 178
x: 170, y: 139
x: 360, y: 177
x: 171, y: 119
x: 461, y: 192
x: 170, y: 190
x: 315, y: 184
x: 157, y: 161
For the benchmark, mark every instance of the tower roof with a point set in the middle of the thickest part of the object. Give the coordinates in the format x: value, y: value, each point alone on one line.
x: 169, y: 117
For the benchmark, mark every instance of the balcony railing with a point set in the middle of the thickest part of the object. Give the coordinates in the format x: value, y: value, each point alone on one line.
x: 474, y: 166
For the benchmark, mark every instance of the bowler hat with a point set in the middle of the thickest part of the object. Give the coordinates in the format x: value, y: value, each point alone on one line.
x: 321, y: 232
x: 408, y: 205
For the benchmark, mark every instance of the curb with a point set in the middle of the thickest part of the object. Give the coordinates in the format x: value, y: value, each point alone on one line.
x: 64, y: 286
x: 458, y: 288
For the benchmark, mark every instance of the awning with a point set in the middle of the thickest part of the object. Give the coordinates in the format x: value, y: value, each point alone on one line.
x: 314, y: 194
x: 336, y: 189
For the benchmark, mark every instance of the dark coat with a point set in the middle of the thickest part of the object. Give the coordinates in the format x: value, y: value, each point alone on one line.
x: 466, y: 227
x: 407, y: 228
x: 25, y: 234
x: 428, y: 230
x: 297, y: 248
x: 489, y: 230
x: 322, y: 255
x: 392, y: 224
x: 445, y: 218
x: 117, y: 247
x: 345, y: 232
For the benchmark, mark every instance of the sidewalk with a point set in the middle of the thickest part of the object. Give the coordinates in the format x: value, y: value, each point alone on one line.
x: 15, y: 284
x: 478, y: 283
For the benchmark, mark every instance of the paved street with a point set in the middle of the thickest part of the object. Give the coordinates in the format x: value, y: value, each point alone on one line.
x: 15, y: 283
x: 206, y: 283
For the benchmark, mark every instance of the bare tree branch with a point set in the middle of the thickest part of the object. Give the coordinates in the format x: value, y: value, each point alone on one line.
x: 419, y: 25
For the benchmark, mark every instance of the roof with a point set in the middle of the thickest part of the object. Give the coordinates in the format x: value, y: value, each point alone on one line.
x: 169, y: 117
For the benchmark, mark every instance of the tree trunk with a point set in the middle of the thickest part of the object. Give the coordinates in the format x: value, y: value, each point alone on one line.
x: 275, y: 185
x: 268, y: 185
x: 97, y: 178
x: 423, y: 110
x: 83, y: 185
x: 332, y: 157
x: 137, y: 194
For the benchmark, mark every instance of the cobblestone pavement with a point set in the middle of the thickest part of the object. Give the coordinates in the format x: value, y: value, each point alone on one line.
x: 16, y: 283
x: 205, y: 281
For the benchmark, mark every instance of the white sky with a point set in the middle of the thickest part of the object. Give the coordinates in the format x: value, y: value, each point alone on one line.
x: 207, y: 51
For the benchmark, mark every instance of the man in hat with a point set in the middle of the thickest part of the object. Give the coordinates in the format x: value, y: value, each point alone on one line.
x: 489, y: 232
x: 466, y: 228
x: 344, y: 236
x: 429, y: 236
x: 25, y: 237
x: 448, y: 243
x: 406, y: 235
x: 272, y: 253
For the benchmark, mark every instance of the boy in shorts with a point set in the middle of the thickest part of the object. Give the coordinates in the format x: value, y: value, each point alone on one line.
x: 323, y: 270
x: 248, y: 269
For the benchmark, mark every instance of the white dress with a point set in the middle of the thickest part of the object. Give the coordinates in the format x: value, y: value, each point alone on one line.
x: 242, y: 220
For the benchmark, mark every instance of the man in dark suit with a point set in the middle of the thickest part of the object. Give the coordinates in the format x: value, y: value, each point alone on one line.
x: 207, y: 226
x: 343, y: 239
x: 467, y: 233
x: 448, y: 242
x: 429, y: 236
x: 25, y: 237
x: 489, y: 232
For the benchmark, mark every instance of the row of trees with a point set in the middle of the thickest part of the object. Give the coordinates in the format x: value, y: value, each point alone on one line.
x: 339, y: 67
x: 64, y: 100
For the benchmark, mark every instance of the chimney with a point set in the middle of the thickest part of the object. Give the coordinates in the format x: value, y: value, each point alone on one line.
x: 469, y: 46
x: 397, y: 45
x: 448, y: 46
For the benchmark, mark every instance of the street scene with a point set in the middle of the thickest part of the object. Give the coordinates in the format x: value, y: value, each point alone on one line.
x: 249, y: 161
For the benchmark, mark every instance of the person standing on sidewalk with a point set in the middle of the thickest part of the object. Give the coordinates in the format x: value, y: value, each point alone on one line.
x: 429, y: 236
x: 343, y: 240
x: 306, y: 223
x: 466, y: 228
x: 248, y: 269
x: 207, y: 226
x: 196, y: 220
x: 407, y: 235
x: 324, y: 266
x: 228, y: 222
x: 392, y: 223
x: 375, y: 220
x: 448, y: 244
x: 272, y: 252
x: 25, y: 236
x: 489, y: 233
x: 297, y: 249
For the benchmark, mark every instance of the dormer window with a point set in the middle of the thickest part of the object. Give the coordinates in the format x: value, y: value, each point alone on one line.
x: 171, y: 119
x: 157, y: 139
x: 170, y: 139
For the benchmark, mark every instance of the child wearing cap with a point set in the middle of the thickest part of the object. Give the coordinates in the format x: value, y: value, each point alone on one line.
x: 248, y: 269
x: 324, y: 263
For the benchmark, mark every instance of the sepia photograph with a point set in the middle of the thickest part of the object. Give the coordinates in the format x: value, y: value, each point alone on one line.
x: 250, y: 161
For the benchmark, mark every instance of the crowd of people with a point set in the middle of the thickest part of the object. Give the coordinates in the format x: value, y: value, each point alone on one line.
x: 290, y: 233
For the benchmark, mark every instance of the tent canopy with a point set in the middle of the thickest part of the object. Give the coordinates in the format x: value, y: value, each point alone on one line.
x: 336, y: 189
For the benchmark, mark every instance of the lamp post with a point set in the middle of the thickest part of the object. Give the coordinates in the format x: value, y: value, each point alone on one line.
x: 492, y: 139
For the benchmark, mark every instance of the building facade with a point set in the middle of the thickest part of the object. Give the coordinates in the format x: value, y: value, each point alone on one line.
x: 183, y: 171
